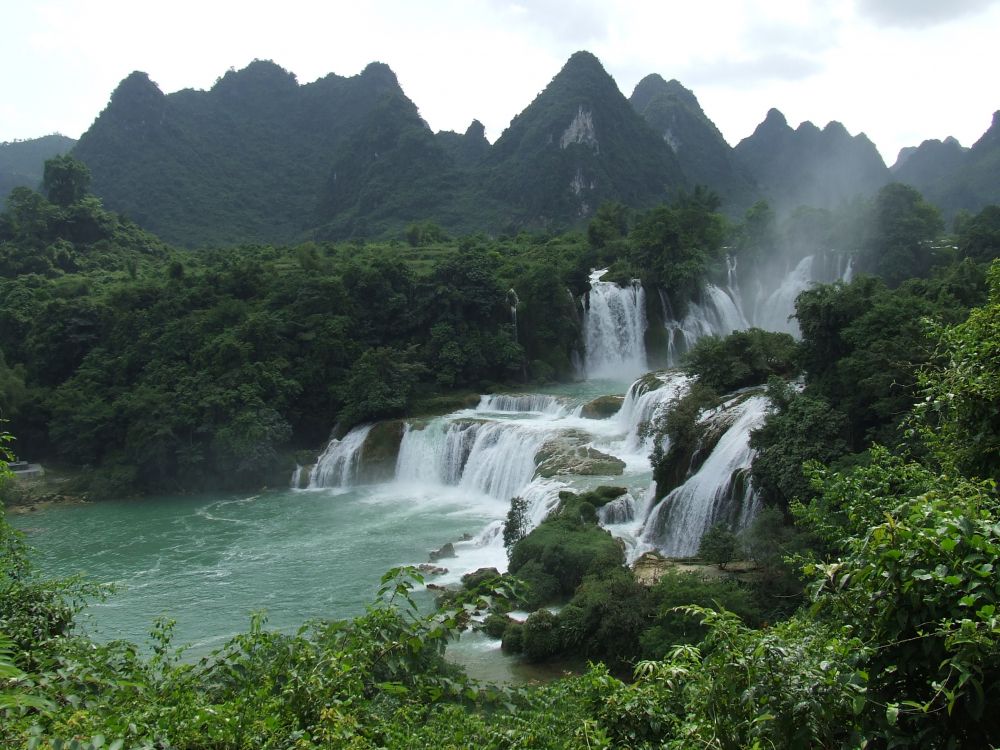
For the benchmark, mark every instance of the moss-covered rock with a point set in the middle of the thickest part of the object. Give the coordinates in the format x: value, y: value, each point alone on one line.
x: 583, y: 461
x: 476, y: 578
x: 602, y: 407
x: 655, y: 337
x: 513, y: 638
x: 380, y: 451
x: 600, y: 496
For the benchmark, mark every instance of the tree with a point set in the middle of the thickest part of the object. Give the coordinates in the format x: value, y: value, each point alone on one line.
x: 719, y: 545
x: 66, y: 180
x: 516, y: 524
x: 903, y: 227
x: 963, y: 393
x: 979, y: 236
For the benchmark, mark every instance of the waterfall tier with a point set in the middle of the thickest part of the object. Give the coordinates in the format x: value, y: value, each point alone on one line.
x: 338, y: 465
x: 719, y: 492
x: 614, y: 329
x: 521, y: 404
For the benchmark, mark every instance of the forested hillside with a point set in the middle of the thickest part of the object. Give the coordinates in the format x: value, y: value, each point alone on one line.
x: 21, y: 161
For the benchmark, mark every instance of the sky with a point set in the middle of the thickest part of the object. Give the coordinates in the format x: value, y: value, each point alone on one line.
x: 901, y: 71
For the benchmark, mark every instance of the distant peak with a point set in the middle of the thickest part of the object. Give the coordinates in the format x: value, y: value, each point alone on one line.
x: 135, y: 82
x: 259, y: 75
x: 583, y: 66
x: 136, y: 93
x: 475, y: 130
x: 834, y: 127
x: 953, y: 141
x: 654, y: 86
x: 583, y: 59
x: 653, y: 80
x: 379, y: 69
x: 807, y: 129
x: 774, y: 117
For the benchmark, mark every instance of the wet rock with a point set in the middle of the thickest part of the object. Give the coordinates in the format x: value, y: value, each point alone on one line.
x: 447, y: 550
x: 476, y: 577
x: 602, y: 407
x: 559, y: 459
x: 431, y: 570
x: 380, y: 451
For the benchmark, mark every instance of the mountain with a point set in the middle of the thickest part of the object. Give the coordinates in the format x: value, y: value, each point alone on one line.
x: 246, y: 161
x: 809, y: 166
x: 931, y: 168
x: 260, y: 157
x: 703, y: 154
x: 578, y: 144
x: 952, y: 177
x: 22, y: 163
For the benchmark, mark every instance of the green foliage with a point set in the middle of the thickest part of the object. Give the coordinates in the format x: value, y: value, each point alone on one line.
x: 719, y: 546
x: 801, y: 428
x: 674, y: 246
x: 680, y: 429
x: 904, y: 226
x: 979, y: 237
x: 516, y: 524
x: 66, y: 180
x: 916, y: 579
x: 554, y: 557
x: 963, y: 391
x: 742, y: 359
x: 862, y: 344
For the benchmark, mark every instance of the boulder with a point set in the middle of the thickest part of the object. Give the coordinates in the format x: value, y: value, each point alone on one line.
x: 602, y: 407
x: 561, y: 459
x: 447, y: 550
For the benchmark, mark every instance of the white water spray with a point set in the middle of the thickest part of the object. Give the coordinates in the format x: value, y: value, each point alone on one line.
x: 614, y: 327
x: 719, y: 491
x: 339, y: 463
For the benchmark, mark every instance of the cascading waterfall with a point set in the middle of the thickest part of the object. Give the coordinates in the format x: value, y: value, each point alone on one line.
x: 513, y: 301
x: 717, y: 313
x: 338, y: 465
x: 521, y: 404
x: 848, y: 273
x: 642, y: 404
x: 719, y: 491
x: 541, y: 498
x: 614, y: 327
x: 496, y: 458
x: 774, y: 313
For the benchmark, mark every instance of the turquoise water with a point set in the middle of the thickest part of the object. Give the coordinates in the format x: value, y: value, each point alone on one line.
x: 207, y: 562
x: 210, y: 561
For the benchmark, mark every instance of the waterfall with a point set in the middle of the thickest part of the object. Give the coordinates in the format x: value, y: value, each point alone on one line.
x: 513, y: 301
x: 541, y: 498
x: 527, y: 403
x: 717, y: 313
x: 296, y: 482
x: 496, y: 458
x: 618, y: 511
x: 642, y: 404
x: 774, y: 312
x: 338, y: 465
x: 848, y: 273
x: 614, y: 326
x: 719, y: 491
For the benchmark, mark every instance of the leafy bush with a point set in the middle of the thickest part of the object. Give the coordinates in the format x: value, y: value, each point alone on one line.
x: 742, y: 359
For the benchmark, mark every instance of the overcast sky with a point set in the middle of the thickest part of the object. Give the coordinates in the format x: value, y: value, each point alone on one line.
x: 901, y: 71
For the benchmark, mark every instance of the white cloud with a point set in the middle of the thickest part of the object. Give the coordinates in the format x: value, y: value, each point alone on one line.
x: 916, y: 14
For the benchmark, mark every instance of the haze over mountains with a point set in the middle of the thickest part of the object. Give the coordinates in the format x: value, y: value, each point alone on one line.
x: 261, y: 158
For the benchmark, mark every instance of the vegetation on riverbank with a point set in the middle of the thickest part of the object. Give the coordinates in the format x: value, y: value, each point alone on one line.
x: 898, y: 642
